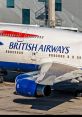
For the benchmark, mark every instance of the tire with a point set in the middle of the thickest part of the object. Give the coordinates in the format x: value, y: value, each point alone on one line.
x: 15, y: 93
x: 1, y: 79
x: 78, y: 93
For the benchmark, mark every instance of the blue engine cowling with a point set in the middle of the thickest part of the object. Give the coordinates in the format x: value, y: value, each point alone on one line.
x: 27, y: 87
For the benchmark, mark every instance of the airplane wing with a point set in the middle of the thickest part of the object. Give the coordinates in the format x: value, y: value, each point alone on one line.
x: 51, y: 73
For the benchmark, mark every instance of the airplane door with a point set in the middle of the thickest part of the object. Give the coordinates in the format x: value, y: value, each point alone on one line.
x: 34, y: 57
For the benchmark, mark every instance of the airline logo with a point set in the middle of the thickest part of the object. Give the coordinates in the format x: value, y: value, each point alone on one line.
x: 30, y: 46
x: 39, y: 47
x: 16, y: 34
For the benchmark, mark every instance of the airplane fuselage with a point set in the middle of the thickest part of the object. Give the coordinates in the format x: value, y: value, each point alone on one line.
x: 25, y: 48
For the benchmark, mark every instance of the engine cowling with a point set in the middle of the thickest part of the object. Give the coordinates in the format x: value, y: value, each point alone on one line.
x: 27, y: 87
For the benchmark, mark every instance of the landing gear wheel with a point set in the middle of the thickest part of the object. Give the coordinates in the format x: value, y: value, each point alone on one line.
x: 1, y: 79
x: 15, y: 93
x: 78, y: 93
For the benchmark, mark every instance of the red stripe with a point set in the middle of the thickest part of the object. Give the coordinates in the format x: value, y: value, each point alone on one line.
x: 16, y: 34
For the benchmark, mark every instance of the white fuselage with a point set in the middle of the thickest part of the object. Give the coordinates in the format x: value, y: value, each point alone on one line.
x: 50, y: 45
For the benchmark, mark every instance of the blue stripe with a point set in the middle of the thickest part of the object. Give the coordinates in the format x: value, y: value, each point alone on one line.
x: 18, y: 66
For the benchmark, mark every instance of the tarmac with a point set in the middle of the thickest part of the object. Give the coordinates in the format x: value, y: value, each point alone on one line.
x: 55, y: 104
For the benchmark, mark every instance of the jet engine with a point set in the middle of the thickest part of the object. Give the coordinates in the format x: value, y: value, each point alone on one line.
x: 25, y: 86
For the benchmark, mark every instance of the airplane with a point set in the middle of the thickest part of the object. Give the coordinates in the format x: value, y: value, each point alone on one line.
x: 47, y: 58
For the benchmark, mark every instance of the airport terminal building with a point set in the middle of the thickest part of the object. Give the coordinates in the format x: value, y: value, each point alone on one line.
x: 68, y: 12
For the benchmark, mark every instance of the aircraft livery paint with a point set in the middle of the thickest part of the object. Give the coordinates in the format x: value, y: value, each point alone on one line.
x: 16, y: 34
x: 38, y: 47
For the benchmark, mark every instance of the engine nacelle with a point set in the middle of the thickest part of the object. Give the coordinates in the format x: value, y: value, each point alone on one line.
x: 27, y: 87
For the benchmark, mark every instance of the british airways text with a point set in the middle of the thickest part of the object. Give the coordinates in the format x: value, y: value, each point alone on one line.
x: 39, y: 48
